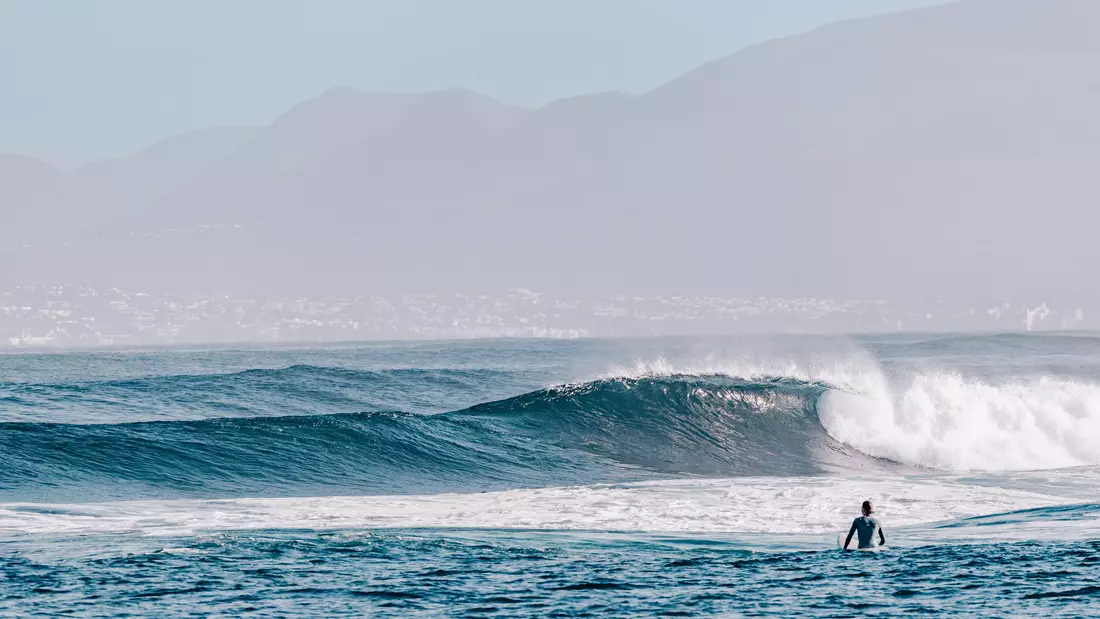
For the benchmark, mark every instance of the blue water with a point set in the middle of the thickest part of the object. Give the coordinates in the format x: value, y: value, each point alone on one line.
x: 668, y: 477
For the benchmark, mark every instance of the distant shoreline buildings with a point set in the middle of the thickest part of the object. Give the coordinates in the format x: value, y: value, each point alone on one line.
x: 78, y: 316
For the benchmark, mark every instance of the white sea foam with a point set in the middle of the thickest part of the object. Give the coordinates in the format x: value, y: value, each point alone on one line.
x: 946, y: 421
x: 759, y: 505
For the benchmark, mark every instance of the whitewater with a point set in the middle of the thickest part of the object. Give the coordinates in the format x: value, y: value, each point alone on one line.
x: 589, y: 477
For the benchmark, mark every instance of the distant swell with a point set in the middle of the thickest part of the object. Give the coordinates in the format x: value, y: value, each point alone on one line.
x: 604, y: 431
x: 296, y: 390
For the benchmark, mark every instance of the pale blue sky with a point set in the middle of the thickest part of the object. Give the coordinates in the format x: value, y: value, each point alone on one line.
x: 82, y: 79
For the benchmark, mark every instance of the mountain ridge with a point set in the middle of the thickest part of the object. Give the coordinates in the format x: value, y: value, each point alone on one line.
x: 876, y: 157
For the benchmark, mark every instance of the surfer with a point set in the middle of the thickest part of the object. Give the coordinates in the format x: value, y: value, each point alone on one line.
x: 866, y: 526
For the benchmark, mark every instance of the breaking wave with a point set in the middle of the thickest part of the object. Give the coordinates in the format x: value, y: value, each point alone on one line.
x: 649, y: 422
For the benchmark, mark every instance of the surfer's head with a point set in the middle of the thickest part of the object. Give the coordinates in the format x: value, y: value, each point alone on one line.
x: 868, y: 509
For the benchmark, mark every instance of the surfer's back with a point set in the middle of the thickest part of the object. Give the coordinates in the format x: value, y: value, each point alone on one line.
x: 866, y: 527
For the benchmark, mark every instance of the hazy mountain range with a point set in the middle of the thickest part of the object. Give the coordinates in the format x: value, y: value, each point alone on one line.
x: 946, y: 152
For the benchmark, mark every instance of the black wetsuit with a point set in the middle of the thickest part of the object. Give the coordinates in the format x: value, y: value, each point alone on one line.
x: 866, y: 527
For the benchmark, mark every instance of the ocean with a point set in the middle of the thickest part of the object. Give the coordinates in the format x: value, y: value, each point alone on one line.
x: 688, y: 477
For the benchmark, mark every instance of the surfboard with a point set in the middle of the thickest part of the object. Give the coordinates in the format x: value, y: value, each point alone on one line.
x: 840, y: 542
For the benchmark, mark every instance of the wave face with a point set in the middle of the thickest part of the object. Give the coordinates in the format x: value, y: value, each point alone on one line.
x: 603, y: 431
x: 681, y: 424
